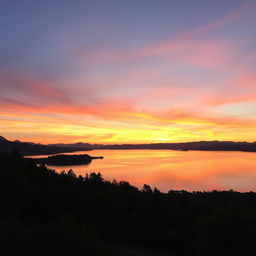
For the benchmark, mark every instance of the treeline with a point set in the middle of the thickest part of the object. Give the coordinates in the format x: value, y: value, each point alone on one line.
x: 58, y: 160
x: 46, y: 213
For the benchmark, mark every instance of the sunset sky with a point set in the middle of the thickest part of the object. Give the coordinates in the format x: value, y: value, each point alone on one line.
x: 134, y: 71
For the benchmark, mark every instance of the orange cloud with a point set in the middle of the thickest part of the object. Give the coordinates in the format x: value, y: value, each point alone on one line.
x: 119, y: 122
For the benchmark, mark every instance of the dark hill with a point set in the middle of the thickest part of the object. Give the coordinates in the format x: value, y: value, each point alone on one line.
x: 77, y: 146
x: 2, y: 138
x: 26, y: 148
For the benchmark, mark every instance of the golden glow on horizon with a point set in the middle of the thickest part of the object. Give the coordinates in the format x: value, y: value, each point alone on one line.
x: 127, y: 128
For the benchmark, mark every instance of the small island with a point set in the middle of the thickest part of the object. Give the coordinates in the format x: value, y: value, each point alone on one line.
x: 66, y: 159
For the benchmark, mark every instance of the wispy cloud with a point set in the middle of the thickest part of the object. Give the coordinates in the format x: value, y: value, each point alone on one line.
x: 191, y: 47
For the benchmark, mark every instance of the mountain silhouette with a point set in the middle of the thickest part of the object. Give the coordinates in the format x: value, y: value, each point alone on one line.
x: 27, y: 148
x: 2, y: 138
x: 30, y: 148
x: 184, y: 146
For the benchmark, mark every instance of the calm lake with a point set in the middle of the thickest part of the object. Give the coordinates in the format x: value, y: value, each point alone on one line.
x: 169, y: 169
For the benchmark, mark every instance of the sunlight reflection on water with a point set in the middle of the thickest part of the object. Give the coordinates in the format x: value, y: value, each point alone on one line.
x: 168, y: 169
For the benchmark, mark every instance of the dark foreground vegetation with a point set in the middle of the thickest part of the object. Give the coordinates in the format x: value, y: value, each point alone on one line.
x: 45, y: 213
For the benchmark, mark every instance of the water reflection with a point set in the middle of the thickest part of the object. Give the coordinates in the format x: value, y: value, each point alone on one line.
x: 168, y: 169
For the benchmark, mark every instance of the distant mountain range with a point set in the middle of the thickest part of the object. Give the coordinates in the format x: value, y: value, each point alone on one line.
x: 78, y: 146
x: 199, y: 145
x: 30, y: 148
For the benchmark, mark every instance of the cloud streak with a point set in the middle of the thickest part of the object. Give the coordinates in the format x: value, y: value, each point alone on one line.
x: 191, y: 47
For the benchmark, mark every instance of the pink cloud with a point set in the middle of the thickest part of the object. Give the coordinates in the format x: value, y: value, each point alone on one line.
x: 207, y: 54
x: 229, y: 18
x: 195, y: 51
x: 191, y: 47
x: 28, y: 85
x: 218, y: 100
x: 245, y: 80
